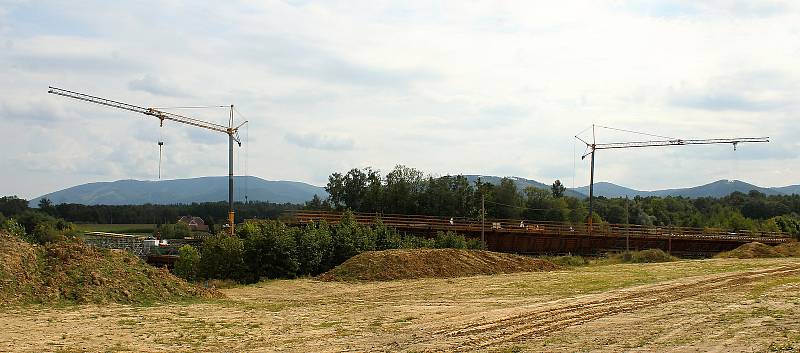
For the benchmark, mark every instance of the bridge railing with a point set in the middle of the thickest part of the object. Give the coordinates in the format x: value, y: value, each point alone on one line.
x: 533, y: 227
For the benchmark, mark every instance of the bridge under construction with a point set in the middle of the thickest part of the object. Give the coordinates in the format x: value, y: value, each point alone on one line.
x: 552, y: 238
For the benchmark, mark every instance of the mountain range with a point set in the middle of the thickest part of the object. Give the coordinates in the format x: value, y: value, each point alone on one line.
x: 719, y: 188
x: 137, y: 192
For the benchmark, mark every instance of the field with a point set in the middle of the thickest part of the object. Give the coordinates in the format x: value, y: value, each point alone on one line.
x: 706, y: 305
x: 117, y: 228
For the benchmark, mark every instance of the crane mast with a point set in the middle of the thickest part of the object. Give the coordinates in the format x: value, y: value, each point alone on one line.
x: 593, y: 147
x: 230, y: 130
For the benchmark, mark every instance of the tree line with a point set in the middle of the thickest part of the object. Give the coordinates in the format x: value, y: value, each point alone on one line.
x: 211, y: 212
x: 406, y: 190
x: 272, y: 249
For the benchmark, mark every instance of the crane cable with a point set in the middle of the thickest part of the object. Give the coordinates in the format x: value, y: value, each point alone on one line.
x: 160, y: 146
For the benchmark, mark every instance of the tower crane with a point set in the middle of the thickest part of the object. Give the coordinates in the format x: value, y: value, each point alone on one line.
x: 231, y: 130
x: 594, y: 146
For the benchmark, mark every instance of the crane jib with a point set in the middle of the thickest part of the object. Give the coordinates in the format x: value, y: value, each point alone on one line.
x: 231, y: 131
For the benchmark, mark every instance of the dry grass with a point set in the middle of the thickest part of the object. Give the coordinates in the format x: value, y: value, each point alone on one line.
x: 754, y: 250
x: 720, y: 304
x: 64, y: 273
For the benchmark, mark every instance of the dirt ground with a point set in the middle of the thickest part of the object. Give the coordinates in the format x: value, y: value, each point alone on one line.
x: 719, y: 305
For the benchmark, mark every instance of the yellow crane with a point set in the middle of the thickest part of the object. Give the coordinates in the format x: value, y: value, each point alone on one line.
x: 230, y: 130
x: 594, y: 146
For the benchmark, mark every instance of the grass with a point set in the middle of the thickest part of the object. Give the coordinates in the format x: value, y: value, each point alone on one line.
x: 277, y: 314
x: 117, y: 228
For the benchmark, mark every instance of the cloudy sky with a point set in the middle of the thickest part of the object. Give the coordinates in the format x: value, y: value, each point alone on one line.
x: 493, y: 88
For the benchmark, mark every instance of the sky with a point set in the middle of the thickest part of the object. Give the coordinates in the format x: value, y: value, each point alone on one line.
x: 492, y: 88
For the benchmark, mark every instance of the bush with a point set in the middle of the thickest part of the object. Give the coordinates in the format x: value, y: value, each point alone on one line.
x: 30, y: 219
x: 475, y: 244
x: 269, y: 250
x: 349, y: 238
x: 222, y: 257
x: 645, y: 256
x: 412, y: 242
x: 570, y: 261
x: 174, y: 231
x: 45, y: 233
x: 13, y: 228
x: 188, y: 263
x: 450, y: 240
x: 272, y: 249
x: 386, y: 238
x: 313, y: 248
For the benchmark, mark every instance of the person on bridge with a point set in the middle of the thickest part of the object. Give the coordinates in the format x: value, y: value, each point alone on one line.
x: 451, y: 221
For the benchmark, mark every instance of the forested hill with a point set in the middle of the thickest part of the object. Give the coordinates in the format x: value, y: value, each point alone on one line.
x: 184, y: 191
x: 523, y: 183
x: 719, y: 188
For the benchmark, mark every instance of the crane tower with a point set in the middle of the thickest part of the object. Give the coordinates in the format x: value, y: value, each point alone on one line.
x: 231, y: 130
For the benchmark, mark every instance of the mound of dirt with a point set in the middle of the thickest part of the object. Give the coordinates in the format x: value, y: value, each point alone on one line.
x: 390, y: 265
x: 78, y: 273
x: 788, y: 249
x: 754, y: 250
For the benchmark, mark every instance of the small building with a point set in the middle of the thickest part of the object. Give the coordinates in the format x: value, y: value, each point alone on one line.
x: 194, y: 223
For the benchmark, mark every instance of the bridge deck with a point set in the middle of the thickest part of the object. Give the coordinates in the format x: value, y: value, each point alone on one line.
x: 527, y: 236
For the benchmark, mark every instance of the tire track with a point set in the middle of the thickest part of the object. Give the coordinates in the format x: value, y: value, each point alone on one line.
x: 545, y: 318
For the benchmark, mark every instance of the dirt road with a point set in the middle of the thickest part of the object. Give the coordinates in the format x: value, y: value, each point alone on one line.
x: 713, y: 305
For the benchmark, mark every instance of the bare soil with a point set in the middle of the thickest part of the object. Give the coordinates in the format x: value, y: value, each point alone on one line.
x: 754, y: 250
x: 710, y: 305
x: 431, y: 263
x: 71, y: 272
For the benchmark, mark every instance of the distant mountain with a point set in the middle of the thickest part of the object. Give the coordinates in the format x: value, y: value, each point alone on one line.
x: 719, y: 188
x: 137, y: 192
x: 788, y: 190
x: 610, y: 190
x: 523, y: 183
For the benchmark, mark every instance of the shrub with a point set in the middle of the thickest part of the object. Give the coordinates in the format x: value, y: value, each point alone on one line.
x: 475, y: 244
x: 222, y: 257
x: 30, y: 219
x: 174, y: 231
x: 188, y: 263
x: 349, y: 239
x: 45, y: 233
x: 570, y: 260
x: 11, y: 227
x: 412, y: 242
x: 450, y: 240
x: 269, y: 250
x: 385, y: 237
x: 313, y: 247
x: 645, y: 256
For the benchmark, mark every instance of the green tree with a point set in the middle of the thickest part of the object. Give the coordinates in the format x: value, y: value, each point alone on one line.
x: 313, y: 247
x: 188, y: 263
x: 269, y: 250
x: 506, y: 200
x: 11, y: 206
x: 557, y: 189
x: 222, y: 257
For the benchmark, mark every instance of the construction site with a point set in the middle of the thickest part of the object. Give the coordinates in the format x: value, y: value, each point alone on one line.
x: 347, y: 248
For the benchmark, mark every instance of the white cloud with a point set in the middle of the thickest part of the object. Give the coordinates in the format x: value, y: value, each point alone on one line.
x: 484, y: 87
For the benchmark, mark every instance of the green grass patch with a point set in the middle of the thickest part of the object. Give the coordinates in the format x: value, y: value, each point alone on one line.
x: 117, y: 228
